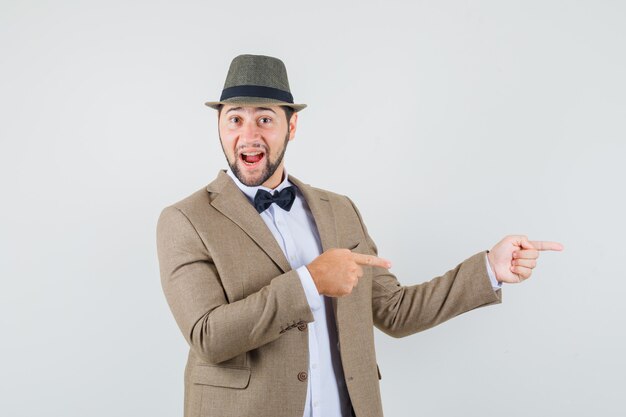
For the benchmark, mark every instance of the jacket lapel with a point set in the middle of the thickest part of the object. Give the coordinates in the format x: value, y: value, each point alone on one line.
x: 322, y: 212
x: 232, y: 203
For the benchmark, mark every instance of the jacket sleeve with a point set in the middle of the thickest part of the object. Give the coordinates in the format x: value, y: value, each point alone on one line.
x: 404, y: 310
x: 214, y: 328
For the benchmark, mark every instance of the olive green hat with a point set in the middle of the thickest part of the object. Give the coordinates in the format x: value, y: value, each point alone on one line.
x: 255, y: 80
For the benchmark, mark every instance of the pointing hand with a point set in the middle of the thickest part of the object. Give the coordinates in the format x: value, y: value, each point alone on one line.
x: 337, y: 271
x: 514, y: 257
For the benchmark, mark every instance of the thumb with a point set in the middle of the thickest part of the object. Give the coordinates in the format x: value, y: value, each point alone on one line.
x: 525, y: 244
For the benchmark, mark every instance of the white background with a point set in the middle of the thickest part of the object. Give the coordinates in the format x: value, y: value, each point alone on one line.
x: 449, y: 123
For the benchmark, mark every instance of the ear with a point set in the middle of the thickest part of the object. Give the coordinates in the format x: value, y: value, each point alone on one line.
x: 293, y: 123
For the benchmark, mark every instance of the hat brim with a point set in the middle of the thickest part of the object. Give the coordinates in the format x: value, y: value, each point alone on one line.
x: 254, y: 101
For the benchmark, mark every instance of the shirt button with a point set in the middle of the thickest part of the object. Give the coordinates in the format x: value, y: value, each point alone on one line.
x: 302, y: 376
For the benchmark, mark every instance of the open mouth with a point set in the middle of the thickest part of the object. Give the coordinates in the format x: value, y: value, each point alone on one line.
x: 252, y: 158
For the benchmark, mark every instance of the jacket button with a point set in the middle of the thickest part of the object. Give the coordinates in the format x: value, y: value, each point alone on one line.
x: 302, y: 327
x: 302, y: 376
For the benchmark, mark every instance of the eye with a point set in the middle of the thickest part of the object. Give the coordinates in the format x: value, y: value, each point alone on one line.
x: 265, y: 120
x: 234, y: 119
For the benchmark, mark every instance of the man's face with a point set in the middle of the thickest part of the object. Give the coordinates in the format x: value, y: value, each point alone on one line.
x: 254, y: 140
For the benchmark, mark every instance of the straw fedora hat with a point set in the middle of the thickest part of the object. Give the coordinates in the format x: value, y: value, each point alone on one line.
x: 255, y: 80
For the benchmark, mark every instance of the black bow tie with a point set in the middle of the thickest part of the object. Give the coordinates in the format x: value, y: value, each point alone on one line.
x: 284, y: 198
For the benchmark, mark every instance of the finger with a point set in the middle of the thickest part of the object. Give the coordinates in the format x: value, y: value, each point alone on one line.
x: 546, y: 245
x: 359, y: 272
x: 521, y: 271
x: 526, y: 254
x: 370, y: 260
x: 528, y: 263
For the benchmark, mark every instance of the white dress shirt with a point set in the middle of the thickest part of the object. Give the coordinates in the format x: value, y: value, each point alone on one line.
x: 297, y: 235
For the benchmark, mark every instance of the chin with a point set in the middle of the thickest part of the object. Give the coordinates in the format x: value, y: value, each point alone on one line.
x: 251, y: 179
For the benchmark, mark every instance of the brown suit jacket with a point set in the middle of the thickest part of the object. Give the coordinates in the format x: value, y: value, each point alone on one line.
x: 244, y: 313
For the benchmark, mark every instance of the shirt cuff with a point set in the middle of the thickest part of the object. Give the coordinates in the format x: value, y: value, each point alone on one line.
x: 494, y: 282
x: 310, y: 290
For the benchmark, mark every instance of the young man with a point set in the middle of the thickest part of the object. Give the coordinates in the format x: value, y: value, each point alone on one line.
x: 276, y: 285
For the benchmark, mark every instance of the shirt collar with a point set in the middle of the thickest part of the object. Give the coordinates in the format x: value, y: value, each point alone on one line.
x: 250, y: 192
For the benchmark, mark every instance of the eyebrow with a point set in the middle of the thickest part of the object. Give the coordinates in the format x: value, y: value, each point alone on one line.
x: 265, y: 108
x: 257, y: 109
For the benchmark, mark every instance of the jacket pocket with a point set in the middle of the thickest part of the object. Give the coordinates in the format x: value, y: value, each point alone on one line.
x: 354, y: 245
x: 221, y: 376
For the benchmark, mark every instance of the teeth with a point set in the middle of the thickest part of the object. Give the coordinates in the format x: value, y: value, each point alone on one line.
x: 252, y: 153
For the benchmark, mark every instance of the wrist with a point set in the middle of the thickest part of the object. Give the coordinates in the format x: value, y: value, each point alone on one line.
x: 491, y: 262
x: 313, y: 272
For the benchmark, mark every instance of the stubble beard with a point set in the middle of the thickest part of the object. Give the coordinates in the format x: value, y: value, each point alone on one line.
x: 268, y: 170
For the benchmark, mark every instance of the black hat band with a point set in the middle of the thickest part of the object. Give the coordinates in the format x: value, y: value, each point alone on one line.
x: 256, y: 91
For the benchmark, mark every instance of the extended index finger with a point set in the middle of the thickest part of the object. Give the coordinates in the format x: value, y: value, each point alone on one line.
x: 370, y: 260
x: 546, y: 245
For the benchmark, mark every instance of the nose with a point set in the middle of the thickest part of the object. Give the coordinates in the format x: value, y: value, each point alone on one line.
x: 250, y: 131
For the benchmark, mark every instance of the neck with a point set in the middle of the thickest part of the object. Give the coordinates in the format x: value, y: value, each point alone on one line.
x: 276, y: 178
